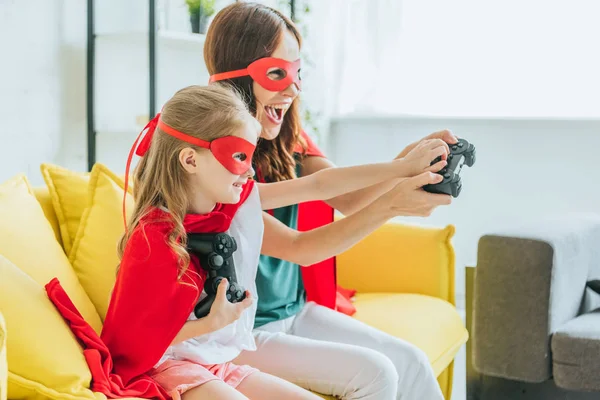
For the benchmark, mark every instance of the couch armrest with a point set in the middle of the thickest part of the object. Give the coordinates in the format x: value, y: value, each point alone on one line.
x: 401, y: 258
x: 529, y: 281
x: 3, y: 362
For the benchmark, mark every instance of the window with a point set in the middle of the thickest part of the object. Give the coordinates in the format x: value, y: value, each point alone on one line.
x: 511, y: 58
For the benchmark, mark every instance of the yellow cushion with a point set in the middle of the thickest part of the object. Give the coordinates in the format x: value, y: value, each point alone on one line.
x: 3, y: 365
x: 42, y: 194
x: 28, y: 241
x: 430, y: 323
x: 68, y: 190
x: 44, y: 358
x: 412, y: 259
x: 94, y: 254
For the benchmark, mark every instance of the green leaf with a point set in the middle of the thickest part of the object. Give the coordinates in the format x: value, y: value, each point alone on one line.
x: 204, y: 7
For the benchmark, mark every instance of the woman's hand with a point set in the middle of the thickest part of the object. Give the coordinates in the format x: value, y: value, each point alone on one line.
x: 419, y: 159
x: 444, y: 135
x: 223, y: 312
x: 408, y: 198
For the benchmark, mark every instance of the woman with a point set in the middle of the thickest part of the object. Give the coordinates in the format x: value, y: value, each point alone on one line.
x: 256, y: 49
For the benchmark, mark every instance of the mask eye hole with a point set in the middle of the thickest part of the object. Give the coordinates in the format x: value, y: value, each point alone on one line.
x: 276, y: 74
x: 240, y: 156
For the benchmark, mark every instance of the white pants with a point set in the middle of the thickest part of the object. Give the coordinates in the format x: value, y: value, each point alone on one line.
x: 331, y: 353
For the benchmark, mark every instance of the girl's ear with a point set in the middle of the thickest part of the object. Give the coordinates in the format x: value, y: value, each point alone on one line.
x: 187, y: 158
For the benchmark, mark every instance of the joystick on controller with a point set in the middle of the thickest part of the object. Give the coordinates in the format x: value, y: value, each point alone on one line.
x: 461, y: 153
x: 215, y: 252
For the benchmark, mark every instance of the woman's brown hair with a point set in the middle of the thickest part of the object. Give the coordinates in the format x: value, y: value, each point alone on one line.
x: 240, y: 34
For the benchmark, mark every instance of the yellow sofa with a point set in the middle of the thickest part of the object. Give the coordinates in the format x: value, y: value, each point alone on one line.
x: 404, y: 276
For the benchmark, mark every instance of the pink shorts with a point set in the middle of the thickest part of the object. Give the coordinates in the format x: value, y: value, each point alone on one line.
x: 177, y: 377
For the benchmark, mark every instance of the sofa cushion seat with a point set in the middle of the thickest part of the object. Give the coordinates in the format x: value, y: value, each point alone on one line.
x: 575, y: 353
x: 430, y: 323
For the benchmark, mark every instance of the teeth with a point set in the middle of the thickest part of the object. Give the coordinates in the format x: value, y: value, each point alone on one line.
x: 274, y: 113
x: 281, y: 106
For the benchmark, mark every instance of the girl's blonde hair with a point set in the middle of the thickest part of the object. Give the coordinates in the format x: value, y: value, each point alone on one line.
x: 159, y: 180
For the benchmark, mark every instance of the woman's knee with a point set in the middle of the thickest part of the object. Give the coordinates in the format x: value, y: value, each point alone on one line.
x: 386, y: 368
x: 406, y: 356
x: 419, y: 357
x: 379, y: 378
x: 416, y: 376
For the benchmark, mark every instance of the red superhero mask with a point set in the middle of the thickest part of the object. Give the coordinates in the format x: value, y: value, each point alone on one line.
x: 273, y: 74
x: 234, y: 153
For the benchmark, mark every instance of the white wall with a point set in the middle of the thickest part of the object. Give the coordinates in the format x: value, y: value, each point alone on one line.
x: 42, y: 86
x: 73, y: 55
x: 30, y: 85
x: 524, y: 169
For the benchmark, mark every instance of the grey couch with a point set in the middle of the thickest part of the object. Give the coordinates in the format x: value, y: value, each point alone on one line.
x: 534, y: 324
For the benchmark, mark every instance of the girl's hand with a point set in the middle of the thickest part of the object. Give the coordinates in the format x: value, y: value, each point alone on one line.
x: 408, y: 198
x: 223, y: 312
x: 420, y: 157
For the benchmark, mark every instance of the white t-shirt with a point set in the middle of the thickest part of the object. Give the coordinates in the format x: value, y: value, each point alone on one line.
x: 227, y: 343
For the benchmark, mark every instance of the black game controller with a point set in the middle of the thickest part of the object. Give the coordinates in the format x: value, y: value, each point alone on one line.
x: 215, y: 252
x: 461, y: 153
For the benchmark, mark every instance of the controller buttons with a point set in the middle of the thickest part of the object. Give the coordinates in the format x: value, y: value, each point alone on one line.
x: 447, y: 176
x: 220, y: 247
x: 461, y: 144
x: 217, y: 260
x: 454, y: 147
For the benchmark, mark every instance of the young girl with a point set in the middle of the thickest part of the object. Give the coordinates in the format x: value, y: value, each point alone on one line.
x: 257, y: 50
x: 194, y: 176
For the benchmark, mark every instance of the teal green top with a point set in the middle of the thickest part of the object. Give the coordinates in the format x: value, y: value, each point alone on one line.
x: 279, y: 283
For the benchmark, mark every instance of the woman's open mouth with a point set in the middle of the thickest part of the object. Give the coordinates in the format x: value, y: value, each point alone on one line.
x: 275, y: 112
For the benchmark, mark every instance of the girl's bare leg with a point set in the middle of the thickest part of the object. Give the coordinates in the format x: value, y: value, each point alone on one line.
x: 260, y: 385
x: 213, y: 390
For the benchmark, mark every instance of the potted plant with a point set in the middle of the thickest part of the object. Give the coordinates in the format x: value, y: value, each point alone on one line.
x: 200, y: 11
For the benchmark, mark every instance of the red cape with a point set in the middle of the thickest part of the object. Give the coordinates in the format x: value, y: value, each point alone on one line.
x: 320, y: 281
x: 148, y: 307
